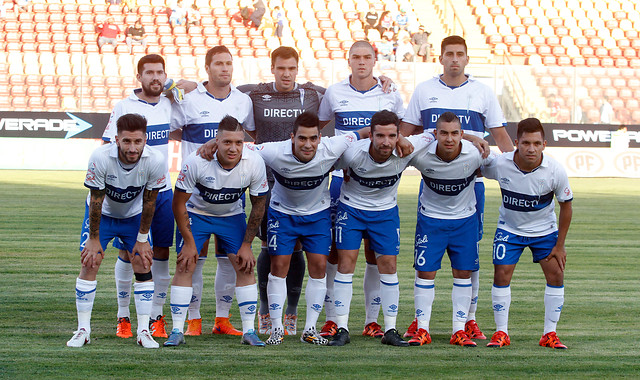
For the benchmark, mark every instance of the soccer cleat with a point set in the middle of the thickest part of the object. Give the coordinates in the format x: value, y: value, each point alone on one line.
x: 123, y: 329
x: 472, y: 329
x: 550, y: 339
x: 413, y: 327
x: 276, y: 337
x: 329, y: 329
x: 146, y: 340
x: 251, y: 338
x: 290, y: 324
x: 420, y: 338
x: 194, y: 327
x: 264, y: 324
x: 499, y: 339
x: 373, y: 330
x: 393, y: 338
x: 311, y: 336
x: 79, y: 338
x: 157, y: 327
x: 340, y: 338
x: 223, y: 326
x: 176, y: 338
x: 460, y: 338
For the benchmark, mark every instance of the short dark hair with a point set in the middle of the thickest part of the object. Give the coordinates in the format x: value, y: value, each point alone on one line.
x: 229, y: 124
x: 361, y: 43
x: 448, y: 117
x: 306, y: 119
x: 452, y: 40
x: 384, y: 117
x: 149, y: 58
x: 284, y: 52
x: 131, y: 122
x: 213, y: 51
x: 530, y: 125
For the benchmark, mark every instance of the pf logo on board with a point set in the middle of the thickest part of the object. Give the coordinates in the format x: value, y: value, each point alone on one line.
x: 628, y: 163
x: 585, y: 162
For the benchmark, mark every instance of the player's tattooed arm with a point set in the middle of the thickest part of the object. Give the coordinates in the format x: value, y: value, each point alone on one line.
x: 91, y: 254
x: 188, y: 253
x: 246, y: 260
x: 142, y: 251
x: 148, y: 209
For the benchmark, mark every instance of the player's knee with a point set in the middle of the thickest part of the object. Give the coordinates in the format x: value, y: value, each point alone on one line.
x: 142, y: 277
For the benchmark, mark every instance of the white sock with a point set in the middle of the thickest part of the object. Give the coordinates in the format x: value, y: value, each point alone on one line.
x: 390, y: 297
x: 180, y: 296
x: 276, y: 294
x: 143, y: 294
x: 196, y: 294
x: 124, y: 277
x: 314, y: 294
x: 372, y: 294
x: 553, y: 302
x: 329, y: 307
x: 225, y: 284
x: 475, y: 285
x: 247, y: 302
x: 501, y: 301
x: 461, y: 299
x: 424, y: 292
x: 343, y: 291
x: 85, y: 294
x: 161, y: 280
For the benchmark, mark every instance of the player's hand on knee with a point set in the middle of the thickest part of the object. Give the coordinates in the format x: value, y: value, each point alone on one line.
x: 246, y: 260
x: 187, y: 258
x: 143, y: 252
x: 208, y: 149
x: 92, y: 253
x: 560, y: 255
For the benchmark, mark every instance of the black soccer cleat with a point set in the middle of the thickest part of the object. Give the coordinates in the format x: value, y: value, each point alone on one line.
x: 341, y: 338
x: 393, y: 338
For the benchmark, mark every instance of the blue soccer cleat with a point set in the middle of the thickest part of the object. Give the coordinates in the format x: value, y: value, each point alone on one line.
x: 251, y: 338
x: 175, y: 339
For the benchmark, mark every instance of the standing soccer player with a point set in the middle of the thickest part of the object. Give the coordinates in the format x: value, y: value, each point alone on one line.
x: 528, y: 181
x: 208, y: 201
x: 148, y: 102
x: 352, y: 103
x: 124, y: 179
x: 198, y: 117
x: 368, y: 207
x: 446, y: 222
x: 478, y: 109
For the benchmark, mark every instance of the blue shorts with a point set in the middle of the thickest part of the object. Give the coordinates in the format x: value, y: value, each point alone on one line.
x: 507, y: 247
x: 334, y: 190
x: 313, y: 231
x: 382, y: 228
x: 229, y: 232
x: 479, y: 190
x: 456, y: 236
x: 125, y: 230
x: 162, y: 224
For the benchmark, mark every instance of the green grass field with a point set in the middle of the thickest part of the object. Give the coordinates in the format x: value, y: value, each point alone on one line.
x: 40, y: 216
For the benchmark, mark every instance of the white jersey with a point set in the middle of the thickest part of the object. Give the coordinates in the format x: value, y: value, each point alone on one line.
x: 216, y: 191
x: 200, y: 113
x: 302, y: 188
x: 448, y: 192
x: 158, y: 117
x: 373, y: 186
x: 353, y: 109
x: 527, y: 197
x: 124, y: 187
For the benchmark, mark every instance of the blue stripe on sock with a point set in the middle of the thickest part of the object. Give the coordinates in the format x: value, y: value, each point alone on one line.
x: 462, y: 285
x: 425, y: 286
x: 502, y: 287
x: 343, y: 282
x: 248, y: 303
x: 178, y: 305
x: 389, y: 283
x: 556, y: 287
x: 123, y: 260
x: 86, y: 291
x: 143, y: 291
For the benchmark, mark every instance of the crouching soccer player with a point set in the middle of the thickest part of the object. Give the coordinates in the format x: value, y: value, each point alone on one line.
x: 208, y: 201
x: 124, y: 179
x: 528, y: 181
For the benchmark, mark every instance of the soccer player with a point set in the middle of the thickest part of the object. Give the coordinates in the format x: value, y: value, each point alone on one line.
x: 198, y: 117
x: 528, y: 181
x: 351, y: 103
x: 368, y: 207
x: 124, y: 179
x: 478, y: 109
x: 446, y: 222
x: 208, y: 201
x: 148, y: 102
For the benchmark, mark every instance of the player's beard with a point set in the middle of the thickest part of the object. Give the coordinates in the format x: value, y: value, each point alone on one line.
x: 125, y: 158
x: 149, y: 92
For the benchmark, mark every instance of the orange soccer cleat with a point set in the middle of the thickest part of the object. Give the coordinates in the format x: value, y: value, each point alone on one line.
x: 157, y: 327
x: 499, y: 339
x: 420, y: 338
x: 194, y: 327
x: 373, y: 330
x: 413, y: 327
x: 550, y: 339
x: 472, y: 329
x: 123, y: 329
x: 224, y: 327
x: 460, y: 338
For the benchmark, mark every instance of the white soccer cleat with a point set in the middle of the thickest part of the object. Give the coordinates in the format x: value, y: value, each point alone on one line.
x: 79, y: 339
x: 146, y: 340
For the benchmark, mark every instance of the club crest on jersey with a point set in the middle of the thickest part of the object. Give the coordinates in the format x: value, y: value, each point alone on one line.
x: 465, y: 168
x: 266, y: 98
x: 541, y: 184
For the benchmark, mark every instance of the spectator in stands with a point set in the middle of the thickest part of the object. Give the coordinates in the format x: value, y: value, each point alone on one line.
x: 278, y: 21
x: 259, y: 10
x: 403, y: 19
x: 606, y: 111
x: 107, y: 33
x: 244, y: 15
x: 404, y: 51
x: 370, y: 19
x: 178, y: 14
x: 385, y: 23
x: 421, y: 45
x: 136, y: 35
x: 385, y: 50
x: 193, y: 16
